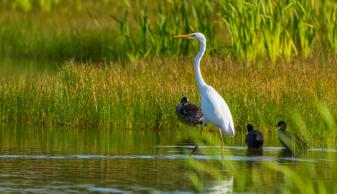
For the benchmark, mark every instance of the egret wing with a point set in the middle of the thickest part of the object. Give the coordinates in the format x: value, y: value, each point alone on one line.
x: 217, y: 111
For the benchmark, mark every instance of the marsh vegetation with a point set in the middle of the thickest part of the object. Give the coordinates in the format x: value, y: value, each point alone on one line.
x: 114, y: 68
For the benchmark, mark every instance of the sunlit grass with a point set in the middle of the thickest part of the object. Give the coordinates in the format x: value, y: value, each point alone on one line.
x: 144, y: 94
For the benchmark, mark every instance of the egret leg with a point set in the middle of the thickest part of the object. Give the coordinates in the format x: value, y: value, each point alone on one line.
x: 222, y: 141
x: 203, y: 124
x: 194, y: 149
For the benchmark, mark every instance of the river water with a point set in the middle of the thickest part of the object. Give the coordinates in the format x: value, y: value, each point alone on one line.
x: 126, y: 161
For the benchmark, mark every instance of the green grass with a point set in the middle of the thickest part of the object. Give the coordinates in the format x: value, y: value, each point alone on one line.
x: 270, y: 60
x: 144, y: 94
x: 248, y: 30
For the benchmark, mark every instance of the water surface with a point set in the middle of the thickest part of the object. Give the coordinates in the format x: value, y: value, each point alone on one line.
x: 124, y: 161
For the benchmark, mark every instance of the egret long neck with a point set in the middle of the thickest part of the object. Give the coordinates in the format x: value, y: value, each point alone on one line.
x: 198, y: 77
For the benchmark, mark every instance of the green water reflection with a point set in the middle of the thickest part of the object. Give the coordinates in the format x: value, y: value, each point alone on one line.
x: 126, y: 161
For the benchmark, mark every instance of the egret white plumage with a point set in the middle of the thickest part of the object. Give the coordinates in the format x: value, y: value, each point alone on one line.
x: 213, y: 106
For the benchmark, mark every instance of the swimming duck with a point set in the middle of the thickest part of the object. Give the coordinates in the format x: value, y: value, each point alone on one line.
x: 189, y: 113
x: 254, y: 138
x: 290, y: 141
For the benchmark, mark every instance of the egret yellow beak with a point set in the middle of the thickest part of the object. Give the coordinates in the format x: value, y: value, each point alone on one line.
x: 184, y: 36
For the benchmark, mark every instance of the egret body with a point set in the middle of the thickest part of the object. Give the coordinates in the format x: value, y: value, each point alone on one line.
x: 213, y: 106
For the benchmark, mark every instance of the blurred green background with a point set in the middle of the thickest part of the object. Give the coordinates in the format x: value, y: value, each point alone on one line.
x: 247, y: 30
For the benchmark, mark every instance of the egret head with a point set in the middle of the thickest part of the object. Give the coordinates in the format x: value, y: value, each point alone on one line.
x: 249, y: 127
x: 282, y: 125
x: 184, y: 100
x: 197, y: 35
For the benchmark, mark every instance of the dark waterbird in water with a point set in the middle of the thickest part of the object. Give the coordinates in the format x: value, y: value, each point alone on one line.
x: 290, y: 141
x: 254, y: 138
x: 189, y: 113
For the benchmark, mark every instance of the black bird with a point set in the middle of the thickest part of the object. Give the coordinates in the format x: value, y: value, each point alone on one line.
x: 189, y: 113
x: 290, y: 141
x: 254, y: 138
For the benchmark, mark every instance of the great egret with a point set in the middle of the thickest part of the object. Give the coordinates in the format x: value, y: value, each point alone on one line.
x: 189, y: 113
x: 213, y: 106
x: 289, y: 141
x: 254, y: 138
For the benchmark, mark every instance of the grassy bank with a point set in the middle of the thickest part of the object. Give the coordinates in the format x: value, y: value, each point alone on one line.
x: 144, y: 94
x: 248, y: 30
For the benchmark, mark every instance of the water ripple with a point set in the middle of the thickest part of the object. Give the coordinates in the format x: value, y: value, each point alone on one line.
x: 163, y: 156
